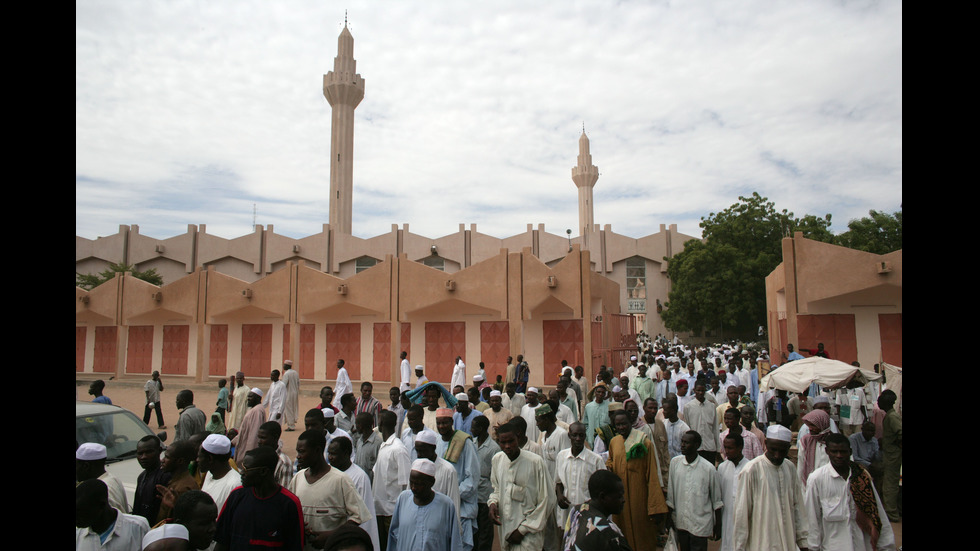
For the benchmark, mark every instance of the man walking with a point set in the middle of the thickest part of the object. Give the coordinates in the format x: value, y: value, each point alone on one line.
x: 694, y: 497
x: 290, y: 379
x: 152, y: 389
x: 275, y: 398
x: 260, y: 512
x: 769, y: 509
x: 520, y: 499
x: 191, y: 420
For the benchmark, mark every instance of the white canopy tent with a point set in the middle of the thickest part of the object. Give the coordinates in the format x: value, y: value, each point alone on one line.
x: 796, y: 376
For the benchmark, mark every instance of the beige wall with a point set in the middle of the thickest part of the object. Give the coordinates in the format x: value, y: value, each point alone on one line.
x: 818, y: 278
x: 256, y: 255
x: 507, y: 286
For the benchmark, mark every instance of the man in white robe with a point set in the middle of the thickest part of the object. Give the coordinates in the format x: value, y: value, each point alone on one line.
x: 424, y: 519
x: 291, y: 379
x: 239, y: 402
x: 275, y: 398
x: 769, y: 508
x: 728, y: 472
x: 832, y: 509
x: 338, y: 454
x: 343, y: 385
x: 521, y: 497
x: 459, y: 375
x: 405, y: 371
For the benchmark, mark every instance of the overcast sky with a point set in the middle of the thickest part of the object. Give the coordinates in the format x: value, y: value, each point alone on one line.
x: 196, y: 112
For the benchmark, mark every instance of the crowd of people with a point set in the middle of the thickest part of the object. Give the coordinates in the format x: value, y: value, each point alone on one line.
x: 678, y: 448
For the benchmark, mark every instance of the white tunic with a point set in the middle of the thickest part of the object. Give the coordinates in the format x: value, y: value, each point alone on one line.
x: 769, y: 510
x: 275, y: 400
x: 521, y: 492
x: 391, y: 472
x: 363, y: 485
x: 728, y: 474
x: 459, y: 375
x: 342, y: 387
x: 574, y: 471
x: 406, y: 374
x: 220, y: 488
x: 832, y: 515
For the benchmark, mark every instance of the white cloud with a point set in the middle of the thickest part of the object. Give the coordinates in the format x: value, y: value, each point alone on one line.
x: 190, y: 112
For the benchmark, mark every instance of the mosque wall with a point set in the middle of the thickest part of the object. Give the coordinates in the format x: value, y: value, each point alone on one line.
x: 210, y: 324
x: 850, y: 300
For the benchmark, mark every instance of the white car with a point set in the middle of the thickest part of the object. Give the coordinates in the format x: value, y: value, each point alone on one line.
x: 119, y: 430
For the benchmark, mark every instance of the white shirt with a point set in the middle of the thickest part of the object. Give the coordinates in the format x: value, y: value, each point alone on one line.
x: 406, y: 373
x: 459, y: 375
x: 275, y: 399
x: 574, y: 471
x: 527, y: 412
x: 127, y: 534
x: 363, y: 485
x: 832, y: 514
x: 408, y: 439
x: 220, y: 488
x: 703, y: 417
x: 342, y: 387
x: 728, y: 476
x: 693, y: 495
x: 391, y: 472
x: 674, y: 433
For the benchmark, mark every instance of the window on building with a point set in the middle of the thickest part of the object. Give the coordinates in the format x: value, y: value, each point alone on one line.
x: 363, y: 263
x: 636, y: 277
x: 435, y: 261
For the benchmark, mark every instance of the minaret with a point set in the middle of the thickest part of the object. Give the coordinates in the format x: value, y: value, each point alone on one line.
x: 585, y: 176
x: 344, y: 89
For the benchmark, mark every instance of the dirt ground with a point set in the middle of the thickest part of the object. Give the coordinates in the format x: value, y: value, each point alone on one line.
x: 128, y: 393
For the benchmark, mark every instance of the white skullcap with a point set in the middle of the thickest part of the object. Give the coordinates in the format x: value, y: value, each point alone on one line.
x: 217, y: 444
x: 462, y: 397
x: 632, y: 358
x: 424, y: 466
x: 419, y: 368
x: 426, y: 437
x: 257, y: 391
x: 617, y: 388
x: 176, y: 531
x: 90, y: 451
x: 287, y: 362
x: 494, y: 393
x: 477, y: 377
x: 568, y: 369
x: 779, y: 432
x: 328, y: 413
x: 532, y: 389
x: 820, y: 400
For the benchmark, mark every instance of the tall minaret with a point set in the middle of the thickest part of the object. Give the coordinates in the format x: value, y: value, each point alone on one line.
x: 585, y: 176
x: 344, y: 89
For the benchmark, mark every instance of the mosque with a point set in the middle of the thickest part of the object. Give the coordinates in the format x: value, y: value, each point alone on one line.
x: 251, y: 302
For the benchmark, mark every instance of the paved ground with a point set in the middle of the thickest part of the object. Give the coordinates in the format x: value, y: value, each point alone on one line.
x: 128, y: 393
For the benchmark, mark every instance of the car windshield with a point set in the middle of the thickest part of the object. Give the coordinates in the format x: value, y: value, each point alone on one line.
x: 119, y: 431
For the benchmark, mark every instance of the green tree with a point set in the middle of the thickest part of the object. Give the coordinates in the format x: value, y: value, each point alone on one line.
x: 719, y: 283
x: 879, y: 233
x: 91, y: 281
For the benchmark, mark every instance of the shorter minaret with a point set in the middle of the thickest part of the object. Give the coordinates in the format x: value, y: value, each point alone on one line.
x: 585, y: 176
x: 344, y: 89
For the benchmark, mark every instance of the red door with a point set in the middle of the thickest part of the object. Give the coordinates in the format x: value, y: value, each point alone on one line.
x: 175, y: 349
x: 562, y: 341
x: 257, y: 350
x: 494, y: 348
x: 344, y: 342
x: 444, y: 340
x: 139, y: 349
x: 218, y: 351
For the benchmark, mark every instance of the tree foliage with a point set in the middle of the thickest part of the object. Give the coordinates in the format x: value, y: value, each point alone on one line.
x: 719, y: 283
x: 879, y: 233
x: 91, y: 281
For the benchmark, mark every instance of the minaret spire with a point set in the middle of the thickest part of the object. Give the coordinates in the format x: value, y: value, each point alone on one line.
x: 585, y: 175
x: 344, y: 90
